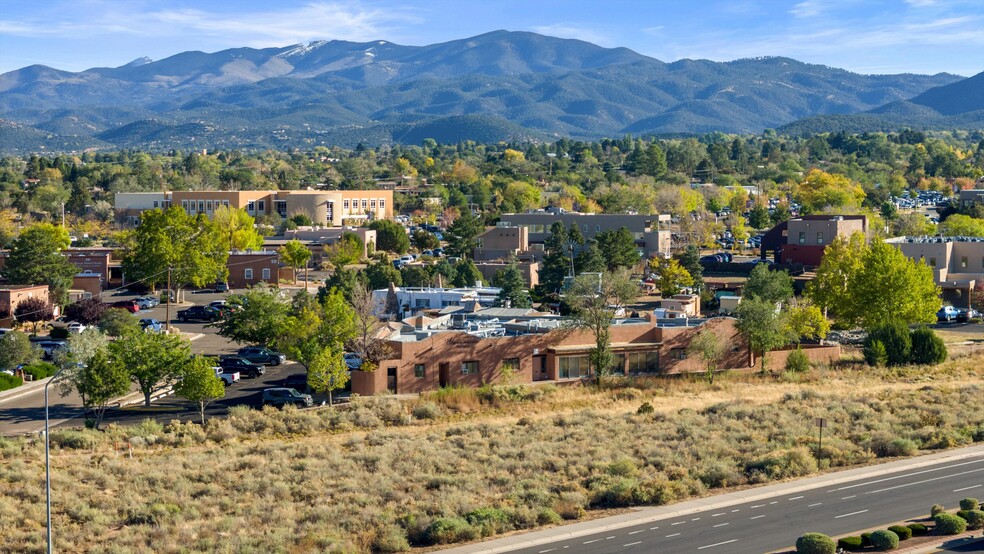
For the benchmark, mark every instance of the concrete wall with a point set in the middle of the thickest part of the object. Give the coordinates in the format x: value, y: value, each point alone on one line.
x: 776, y: 360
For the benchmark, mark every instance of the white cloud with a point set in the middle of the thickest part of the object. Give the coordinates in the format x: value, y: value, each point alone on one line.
x: 807, y: 8
x: 921, y: 3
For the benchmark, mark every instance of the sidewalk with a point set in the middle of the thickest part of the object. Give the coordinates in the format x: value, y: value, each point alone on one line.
x: 24, y: 390
x: 647, y: 515
x: 942, y: 544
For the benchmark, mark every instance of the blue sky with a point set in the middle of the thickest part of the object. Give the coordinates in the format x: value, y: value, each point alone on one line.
x: 866, y: 36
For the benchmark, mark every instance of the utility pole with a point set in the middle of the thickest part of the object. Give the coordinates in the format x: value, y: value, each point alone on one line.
x: 167, y: 309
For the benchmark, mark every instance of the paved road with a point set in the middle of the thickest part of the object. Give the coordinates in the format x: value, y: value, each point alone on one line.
x: 768, y: 525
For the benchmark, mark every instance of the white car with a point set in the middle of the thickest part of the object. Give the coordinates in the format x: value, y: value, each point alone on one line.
x: 228, y: 377
x: 75, y: 327
x: 352, y: 360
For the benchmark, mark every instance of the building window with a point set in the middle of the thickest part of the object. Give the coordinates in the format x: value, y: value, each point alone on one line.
x: 266, y: 273
x: 365, y: 204
x: 678, y: 354
x: 932, y: 262
x: 372, y: 203
x: 422, y: 303
x: 509, y: 366
x: 208, y: 205
x: 382, y: 204
x: 248, y: 273
x: 184, y: 205
x: 155, y: 203
x: 643, y: 362
x: 418, y: 371
x: 963, y: 261
x: 468, y: 368
x: 201, y: 206
x: 574, y: 367
x: 819, y: 238
x: 345, y: 204
x: 251, y: 206
x: 597, y: 228
x: 802, y: 239
x: 585, y: 228
x: 261, y: 205
x: 225, y: 203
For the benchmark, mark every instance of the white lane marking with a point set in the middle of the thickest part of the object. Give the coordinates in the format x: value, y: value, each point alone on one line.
x: 673, y: 535
x: 733, y: 511
x: 591, y: 541
x: 609, y: 538
x: 653, y: 528
x: 850, y: 514
x: 849, y: 497
x: 966, y: 488
x: 547, y: 550
x: 925, y: 481
x: 718, y: 514
x: 639, y: 531
x: 794, y: 498
x: 758, y: 506
x: 774, y: 502
x: 814, y: 505
x: 716, y: 544
x: 632, y: 543
x: 905, y: 475
x: 722, y: 524
x: 678, y: 523
x: 695, y: 519
x: 756, y: 517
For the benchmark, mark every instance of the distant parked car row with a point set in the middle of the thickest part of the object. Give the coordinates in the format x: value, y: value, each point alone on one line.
x: 960, y: 315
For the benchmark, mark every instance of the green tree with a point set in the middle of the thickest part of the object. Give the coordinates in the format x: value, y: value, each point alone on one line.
x: 805, y: 321
x: 117, y: 322
x: 890, y: 287
x: 821, y: 192
x: 328, y: 372
x: 618, y: 248
x: 589, y: 259
x: 830, y: 289
x: 200, y: 384
x: 513, y: 286
x: 15, y: 349
x: 670, y: 276
x: 79, y: 199
x: 255, y: 316
x: 690, y: 260
x: 380, y: 274
x: 707, y: 346
x: 415, y: 276
x: 236, y: 229
x: 390, y: 236
x: 758, y: 217
x: 594, y: 301
x: 462, y: 235
x: 36, y: 258
x: 927, y: 347
x: 766, y: 284
x: 424, y: 240
x: 759, y: 321
x: 87, y: 311
x: 343, y: 280
x: 962, y: 225
x: 154, y: 361
x: 97, y: 382
x: 349, y: 249
x: 467, y: 274
x: 556, y: 262
x: 295, y: 254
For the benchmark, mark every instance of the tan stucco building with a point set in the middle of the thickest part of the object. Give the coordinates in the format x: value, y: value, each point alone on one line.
x: 957, y: 263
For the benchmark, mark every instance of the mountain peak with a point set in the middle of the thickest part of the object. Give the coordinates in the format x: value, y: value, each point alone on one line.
x: 144, y: 60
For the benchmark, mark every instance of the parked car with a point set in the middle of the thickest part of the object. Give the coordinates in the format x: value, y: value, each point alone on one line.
x: 198, y: 313
x: 946, y: 313
x: 147, y: 302
x: 297, y: 381
x: 151, y: 325
x: 129, y: 305
x: 245, y: 367
x: 228, y: 377
x: 964, y: 315
x: 221, y: 287
x: 50, y: 347
x: 282, y: 396
x: 4, y: 331
x: 352, y: 360
x: 261, y: 355
x: 74, y: 327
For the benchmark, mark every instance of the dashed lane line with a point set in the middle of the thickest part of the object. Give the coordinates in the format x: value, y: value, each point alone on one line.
x: 716, y: 544
x: 850, y: 514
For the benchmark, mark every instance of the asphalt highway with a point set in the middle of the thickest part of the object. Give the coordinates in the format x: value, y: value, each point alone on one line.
x: 772, y: 524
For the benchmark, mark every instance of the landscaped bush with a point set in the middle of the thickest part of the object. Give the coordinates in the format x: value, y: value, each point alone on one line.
x: 974, y: 518
x: 927, y: 347
x: 59, y: 333
x: 8, y: 382
x: 865, y: 539
x: 815, y: 543
x: 969, y: 504
x: 936, y: 509
x: 918, y: 529
x: 850, y: 543
x: 40, y: 370
x: 902, y: 531
x: 948, y: 524
x: 797, y: 361
x: 874, y: 352
x: 884, y: 540
x: 897, y: 341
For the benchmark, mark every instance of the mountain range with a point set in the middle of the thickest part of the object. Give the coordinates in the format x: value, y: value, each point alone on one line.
x: 496, y: 86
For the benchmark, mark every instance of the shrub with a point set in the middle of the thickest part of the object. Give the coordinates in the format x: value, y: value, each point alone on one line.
x: 797, y: 361
x: 865, y: 539
x: 969, y: 504
x: 8, y: 382
x: 489, y: 521
x: 59, y: 333
x: 936, y: 510
x: 927, y: 347
x: 948, y: 524
x: 40, y: 370
x: 546, y: 516
x: 447, y: 530
x: 815, y: 543
x: 918, y: 529
x: 79, y: 440
x: 897, y: 340
x: 975, y: 519
x: 645, y: 409
x: 884, y: 540
x: 874, y: 353
x: 850, y: 543
x: 902, y: 531
x: 391, y: 538
x: 427, y: 410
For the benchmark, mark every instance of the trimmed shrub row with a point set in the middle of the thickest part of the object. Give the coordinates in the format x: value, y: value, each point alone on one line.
x: 894, y: 344
x: 888, y: 539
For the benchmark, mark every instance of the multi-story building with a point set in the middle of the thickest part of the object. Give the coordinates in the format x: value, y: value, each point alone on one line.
x: 802, y: 240
x: 957, y: 263
x: 649, y: 239
x: 325, y: 207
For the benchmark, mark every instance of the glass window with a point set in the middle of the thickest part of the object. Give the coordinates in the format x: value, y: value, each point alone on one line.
x: 678, y: 354
x: 574, y: 367
x: 932, y: 262
x: 802, y: 237
x: 261, y: 205
x: 201, y: 206
x: 382, y: 204
x: 248, y: 273
x: 155, y: 203
x: 644, y: 362
x: 281, y: 206
x: 597, y: 228
x: 266, y: 273
x: 963, y: 261
x: 208, y: 205
x: 418, y: 371
x: 251, y: 206
x: 819, y: 238
x: 184, y: 205
x: 365, y: 204
x: 509, y: 365
x: 225, y: 203
x: 469, y: 368
x: 345, y: 204
x: 372, y: 203
x: 422, y: 303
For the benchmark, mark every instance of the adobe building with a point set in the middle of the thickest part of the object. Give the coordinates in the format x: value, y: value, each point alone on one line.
x: 248, y: 268
x: 319, y: 239
x: 957, y: 263
x: 12, y: 295
x: 529, y: 270
x: 453, y: 350
x: 650, y: 240
x: 802, y: 240
x: 332, y: 208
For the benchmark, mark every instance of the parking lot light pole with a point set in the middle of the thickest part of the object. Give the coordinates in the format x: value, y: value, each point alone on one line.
x: 47, y: 457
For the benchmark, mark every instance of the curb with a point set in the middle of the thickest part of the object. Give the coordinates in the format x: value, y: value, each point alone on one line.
x: 138, y: 398
x: 648, y: 515
x: 23, y: 390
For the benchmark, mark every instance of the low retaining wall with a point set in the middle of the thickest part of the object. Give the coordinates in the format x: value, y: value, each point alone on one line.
x: 816, y: 353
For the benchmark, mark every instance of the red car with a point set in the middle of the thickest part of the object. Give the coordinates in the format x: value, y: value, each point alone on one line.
x: 128, y: 305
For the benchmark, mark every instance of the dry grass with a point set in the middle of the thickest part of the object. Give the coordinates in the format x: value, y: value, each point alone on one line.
x: 383, y: 474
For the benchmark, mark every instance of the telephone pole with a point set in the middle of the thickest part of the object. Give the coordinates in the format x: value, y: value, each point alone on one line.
x: 167, y: 309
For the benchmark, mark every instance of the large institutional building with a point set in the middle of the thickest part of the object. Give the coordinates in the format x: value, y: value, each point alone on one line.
x: 331, y: 208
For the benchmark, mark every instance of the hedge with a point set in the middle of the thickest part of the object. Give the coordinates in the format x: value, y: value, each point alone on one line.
x: 884, y: 540
x: 969, y: 504
x: 850, y: 543
x: 948, y: 524
x: 8, y: 382
x: 974, y: 518
x: 904, y: 533
x: 936, y: 509
x: 918, y: 529
x: 927, y: 347
x: 815, y: 543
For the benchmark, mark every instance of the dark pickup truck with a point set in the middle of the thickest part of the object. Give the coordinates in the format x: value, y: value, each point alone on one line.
x: 198, y: 313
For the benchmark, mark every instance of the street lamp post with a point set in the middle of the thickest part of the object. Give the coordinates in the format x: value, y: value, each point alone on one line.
x: 47, y: 457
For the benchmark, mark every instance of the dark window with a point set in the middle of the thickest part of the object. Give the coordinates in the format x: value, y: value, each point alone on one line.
x: 418, y: 371
x: 469, y: 367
